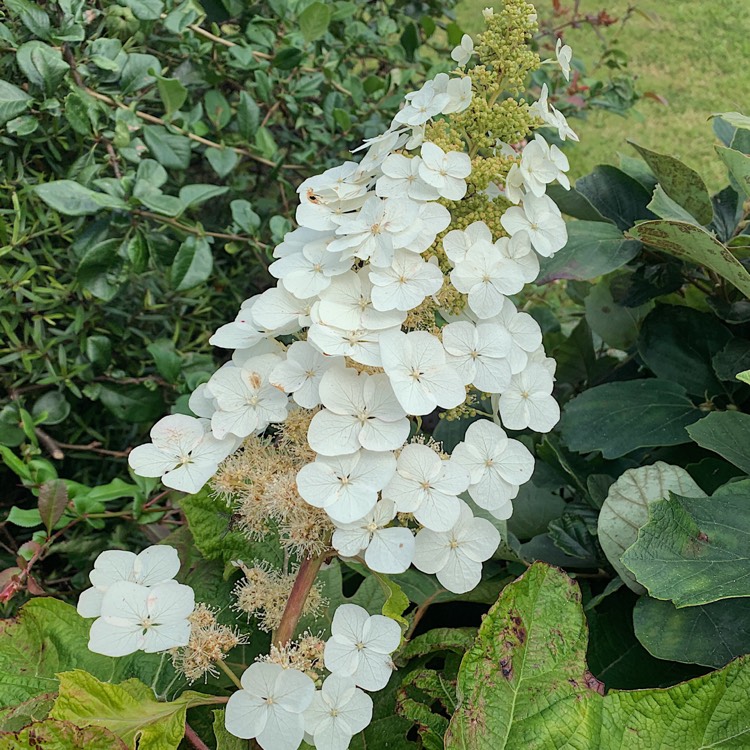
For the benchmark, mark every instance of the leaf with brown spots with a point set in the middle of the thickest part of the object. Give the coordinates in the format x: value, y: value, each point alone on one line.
x: 525, y: 685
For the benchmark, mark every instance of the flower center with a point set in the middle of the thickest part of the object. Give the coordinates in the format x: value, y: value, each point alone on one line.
x: 416, y: 374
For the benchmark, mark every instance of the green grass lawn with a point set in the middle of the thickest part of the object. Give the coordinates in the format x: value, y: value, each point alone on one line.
x: 694, y: 54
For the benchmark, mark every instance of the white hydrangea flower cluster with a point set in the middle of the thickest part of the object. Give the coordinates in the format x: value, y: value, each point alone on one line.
x: 138, y: 604
x: 335, y: 336
x: 347, y: 279
x: 280, y: 707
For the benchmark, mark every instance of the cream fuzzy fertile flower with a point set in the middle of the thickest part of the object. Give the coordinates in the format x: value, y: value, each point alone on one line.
x: 497, y: 465
x: 479, y: 353
x: 361, y: 412
x: 346, y: 486
x: 416, y: 366
x: 456, y: 556
x: 301, y: 371
x: 528, y: 401
x: 270, y: 706
x: 338, y: 711
x: 462, y: 54
x: 387, y: 549
x: 142, y: 618
x: 154, y: 565
x: 183, y: 452
x: 360, y: 646
x: 447, y: 172
x: 247, y: 402
x: 540, y: 218
x: 406, y: 283
x: 427, y: 486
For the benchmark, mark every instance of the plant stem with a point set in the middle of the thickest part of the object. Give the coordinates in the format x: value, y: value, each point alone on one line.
x: 228, y: 672
x: 192, y: 737
x: 306, y: 575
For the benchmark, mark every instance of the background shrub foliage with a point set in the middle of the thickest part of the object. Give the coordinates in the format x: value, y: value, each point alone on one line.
x: 150, y: 153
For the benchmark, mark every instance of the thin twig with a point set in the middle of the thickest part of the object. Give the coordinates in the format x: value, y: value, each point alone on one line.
x: 198, y: 231
x: 93, y: 447
x: 53, y: 447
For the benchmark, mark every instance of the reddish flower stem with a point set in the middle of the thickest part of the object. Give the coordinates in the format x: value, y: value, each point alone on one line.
x: 306, y: 575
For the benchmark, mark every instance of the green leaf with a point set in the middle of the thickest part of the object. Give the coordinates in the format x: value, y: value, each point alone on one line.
x: 617, y: 326
x: 48, y: 637
x: 615, y: 195
x: 712, y: 634
x: 73, y: 199
x: 169, y: 149
x: 192, y: 264
x: 27, y: 518
x: 31, y: 16
x: 695, y: 550
x: 593, y: 249
x: 146, y: 10
x: 22, y: 126
x: 244, y: 216
x: 617, y: 418
x: 210, y: 525
x: 738, y: 165
x: 248, y: 116
x: 574, y: 204
x: 726, y: 433
x: 168, y: 362
x: 128, y: 709
x: 36, y: 709
x: 225, y: 740
x: 694, y: 244
x: 131, y: 403
x: 13, y: 101
x: 525, y: 684
x: 732, y: 359
x: 222, y: 160
x: 194, y: 195
x: 217, y: 109
x: 681, y: 183
x: 265, y: 143
x: 625, y: 509
x: 665, y: 208
x: 396, y: 602
x: 138, y: 72
x: 51, y: 734
x: 54, y: 405
x: 42, y: 65
x: 52, y: 501
x: 678, y: 343
x: 98, y: 269
x: 313, y: 21
x: 172, y: 92
x: 744, y: 376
